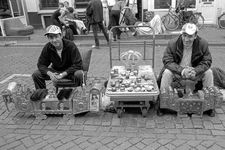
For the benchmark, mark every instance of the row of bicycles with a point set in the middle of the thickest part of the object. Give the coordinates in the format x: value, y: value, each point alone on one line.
x: 173, y: 19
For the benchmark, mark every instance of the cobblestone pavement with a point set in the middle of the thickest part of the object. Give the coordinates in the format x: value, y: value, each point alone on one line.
x: 102, y: 130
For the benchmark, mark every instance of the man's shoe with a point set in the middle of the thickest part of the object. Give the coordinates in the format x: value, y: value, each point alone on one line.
x: 134, y: 33
x: 118, y: 37
x: 211, y: 113
x: 160, y: 113
x: 96, y: 47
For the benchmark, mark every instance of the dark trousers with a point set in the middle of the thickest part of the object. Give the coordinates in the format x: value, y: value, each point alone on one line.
x: 115, y: 17
x: 73, y: 27
x: 39, y: 78
x: 109, y: 8
x: 95, y: 32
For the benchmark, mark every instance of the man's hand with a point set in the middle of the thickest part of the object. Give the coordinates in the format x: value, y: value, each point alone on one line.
x: 53, y: 76
x: 189, y: 72
x: 59, y: 76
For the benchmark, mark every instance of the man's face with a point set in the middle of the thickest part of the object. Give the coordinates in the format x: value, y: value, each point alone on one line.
x: 188, y: 39
x: 55, y: 40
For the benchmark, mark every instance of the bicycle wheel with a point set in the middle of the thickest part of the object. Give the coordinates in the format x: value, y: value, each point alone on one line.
x: 171, y: 22
x: 221, y: 21
x: 197, y: 19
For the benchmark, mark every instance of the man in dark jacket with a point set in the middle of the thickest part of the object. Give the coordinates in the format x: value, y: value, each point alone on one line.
x: 94, y: 13
x: 188, y: 57
x: 64, y: 57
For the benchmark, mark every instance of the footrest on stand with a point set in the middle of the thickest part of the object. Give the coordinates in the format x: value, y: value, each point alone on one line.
x: 191, y: 104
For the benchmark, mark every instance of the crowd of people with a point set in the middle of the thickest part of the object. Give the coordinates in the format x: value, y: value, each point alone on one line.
x: 104, y: 15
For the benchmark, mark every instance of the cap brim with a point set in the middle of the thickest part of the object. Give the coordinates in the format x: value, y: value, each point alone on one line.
x: 51, y: 33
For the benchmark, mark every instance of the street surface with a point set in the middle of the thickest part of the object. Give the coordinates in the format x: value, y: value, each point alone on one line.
x: 102, y: 130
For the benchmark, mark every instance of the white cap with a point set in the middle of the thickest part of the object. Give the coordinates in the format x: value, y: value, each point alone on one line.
x: 189, y: 28
x: 53, y: 29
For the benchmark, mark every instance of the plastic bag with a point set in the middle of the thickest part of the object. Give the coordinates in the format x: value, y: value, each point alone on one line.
x: 107, y: 105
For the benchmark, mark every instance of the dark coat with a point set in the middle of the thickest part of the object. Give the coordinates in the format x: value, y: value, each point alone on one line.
x: 201, y: 58
x: 70, y: 62
x: 94, y: 11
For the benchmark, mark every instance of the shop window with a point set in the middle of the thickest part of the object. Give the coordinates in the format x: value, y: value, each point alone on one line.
x: 162, y: 4
x: 81, y: 3
x: 189, y: 3
x: 49, y: 4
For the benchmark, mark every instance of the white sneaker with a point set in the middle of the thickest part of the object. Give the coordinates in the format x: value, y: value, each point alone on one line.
x: 94, y: 46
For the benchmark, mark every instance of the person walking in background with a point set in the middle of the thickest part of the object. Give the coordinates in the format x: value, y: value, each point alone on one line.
x: 115, y: 18
x: 95, y: 12
x: 110, y: 3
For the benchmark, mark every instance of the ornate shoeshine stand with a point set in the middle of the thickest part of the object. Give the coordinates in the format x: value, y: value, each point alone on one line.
x: 79, y: 101
x: 132, y: 85
x: 184, y: 102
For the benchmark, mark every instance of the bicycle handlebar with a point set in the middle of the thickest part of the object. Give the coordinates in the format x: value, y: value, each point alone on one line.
x: 170, y: 7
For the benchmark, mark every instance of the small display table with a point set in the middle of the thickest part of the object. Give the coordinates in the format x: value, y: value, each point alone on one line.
x: 132, y: 88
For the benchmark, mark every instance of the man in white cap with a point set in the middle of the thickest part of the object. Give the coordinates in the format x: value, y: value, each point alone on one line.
x: 187, y: 57
x: 64, y: 57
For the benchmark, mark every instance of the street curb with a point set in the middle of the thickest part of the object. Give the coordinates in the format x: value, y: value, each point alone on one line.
x: 161, y: 43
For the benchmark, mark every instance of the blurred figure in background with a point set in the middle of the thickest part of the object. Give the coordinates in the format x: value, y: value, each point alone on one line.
x: 153, y: 20
x: 76, y: 25
x: 115, y: 18
x: 94, y: 12
x: 105, y: 13
x: 57, y: 17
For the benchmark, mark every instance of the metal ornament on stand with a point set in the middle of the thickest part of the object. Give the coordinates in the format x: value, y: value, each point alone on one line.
x: 131, y: 59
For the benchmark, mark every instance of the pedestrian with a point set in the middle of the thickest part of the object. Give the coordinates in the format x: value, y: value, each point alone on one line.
x: 64, y: 58
x: 110, y: 3
x: 115, y: 18
x: 94, y: 12
x: 186, y: 58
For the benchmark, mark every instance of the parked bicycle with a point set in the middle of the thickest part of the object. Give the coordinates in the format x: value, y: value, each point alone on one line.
x: 221, y: 20
x: 172, y: 20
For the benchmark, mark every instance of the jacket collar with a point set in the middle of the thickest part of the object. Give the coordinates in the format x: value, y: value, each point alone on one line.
x: 180, y: 46
x: 65, y: 45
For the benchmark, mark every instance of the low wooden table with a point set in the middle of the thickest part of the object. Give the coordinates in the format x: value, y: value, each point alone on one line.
x: 132, y: 88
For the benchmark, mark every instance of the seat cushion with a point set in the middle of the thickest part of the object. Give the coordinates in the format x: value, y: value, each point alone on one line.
x: 14, y: 27
x: 67, y: 82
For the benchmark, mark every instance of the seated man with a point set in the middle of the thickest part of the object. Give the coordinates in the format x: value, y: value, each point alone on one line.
x: 188, y: 57
x: 64, y: 57
x: 153, y: 20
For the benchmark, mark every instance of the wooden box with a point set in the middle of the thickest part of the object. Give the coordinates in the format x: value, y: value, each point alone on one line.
x: 51, y: 105
x: 20, y: 96
x: 206, y: 99
x: 80, y: 101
